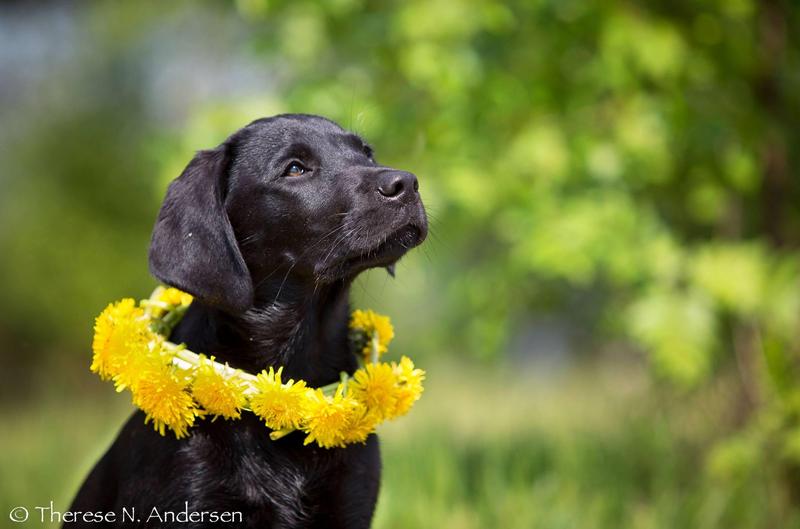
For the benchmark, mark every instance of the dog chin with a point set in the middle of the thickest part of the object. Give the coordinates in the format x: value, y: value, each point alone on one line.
x: 393, y: 247
x: 386, y: 251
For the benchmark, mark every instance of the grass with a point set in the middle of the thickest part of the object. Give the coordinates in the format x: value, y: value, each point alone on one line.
x: 592, y: 448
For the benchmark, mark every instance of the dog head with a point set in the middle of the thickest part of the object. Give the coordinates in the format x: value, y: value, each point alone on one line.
x: 292, y: 197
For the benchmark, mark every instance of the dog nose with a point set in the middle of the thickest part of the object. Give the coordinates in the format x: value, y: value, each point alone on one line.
x: 396, y: 184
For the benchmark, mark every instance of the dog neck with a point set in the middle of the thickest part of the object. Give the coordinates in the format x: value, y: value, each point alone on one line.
x: 304, y: 329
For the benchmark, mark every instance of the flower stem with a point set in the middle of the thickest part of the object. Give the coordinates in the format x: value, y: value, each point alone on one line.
x: 171, y: 319
x: 375, y: 346
x: 277, y: 434
x: 330, y: 389
x: 193, y: 360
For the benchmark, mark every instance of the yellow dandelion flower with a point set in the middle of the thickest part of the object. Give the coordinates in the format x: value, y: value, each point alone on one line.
x: 120, y: 328
x: 375, y: 386
x: 372, y: 325
x: 173, y: 296
x: 280, y: 405
x: 218, y: 394
x: 163, y: 395
x: 409, y: 387
x: 361, y: 425
x: 329, y: 417
x: 142, y: 357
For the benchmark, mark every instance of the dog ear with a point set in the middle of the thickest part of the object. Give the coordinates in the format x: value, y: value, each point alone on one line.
x: 193, y: 246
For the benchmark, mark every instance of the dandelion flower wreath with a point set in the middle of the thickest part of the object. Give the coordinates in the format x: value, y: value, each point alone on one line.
x: 175, y: 387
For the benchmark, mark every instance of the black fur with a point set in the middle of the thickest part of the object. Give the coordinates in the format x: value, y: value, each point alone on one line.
x: 269, y: 255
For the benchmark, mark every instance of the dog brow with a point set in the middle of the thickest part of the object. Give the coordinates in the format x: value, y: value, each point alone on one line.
x: 359, y: 144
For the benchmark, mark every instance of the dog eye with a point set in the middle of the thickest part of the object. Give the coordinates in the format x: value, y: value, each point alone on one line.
x: 294, y: 169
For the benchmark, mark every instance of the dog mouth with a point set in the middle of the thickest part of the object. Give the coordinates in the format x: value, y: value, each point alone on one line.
x: 390, y: 250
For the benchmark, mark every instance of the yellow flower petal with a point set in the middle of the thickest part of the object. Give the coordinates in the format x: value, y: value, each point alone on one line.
x: 372, y: 324
x: 142, y: 358
x: 280, y: 405
x: 362, y: 423
x: 329, y: 417
x: 375, y: 386
x: 122, y: 336
x: 163, y: 395
x: 173, y: 296
x: 409, y: 388
x: 218, y: 394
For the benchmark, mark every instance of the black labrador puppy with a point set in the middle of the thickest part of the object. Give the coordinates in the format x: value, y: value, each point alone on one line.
x: 267, y: 231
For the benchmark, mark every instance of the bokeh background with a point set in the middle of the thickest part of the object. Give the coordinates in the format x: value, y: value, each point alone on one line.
x: 607, y: 306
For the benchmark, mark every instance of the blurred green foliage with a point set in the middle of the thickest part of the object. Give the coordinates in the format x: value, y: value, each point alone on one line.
x: 627, y: 168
